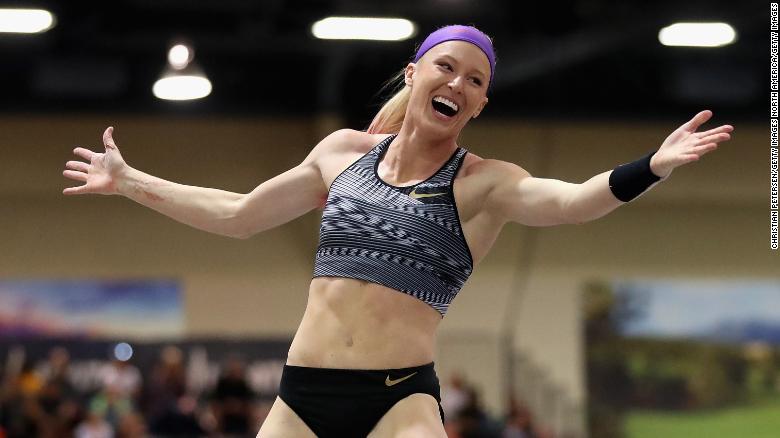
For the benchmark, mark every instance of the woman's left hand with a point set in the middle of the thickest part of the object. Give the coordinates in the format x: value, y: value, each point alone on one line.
x: 685, y: 145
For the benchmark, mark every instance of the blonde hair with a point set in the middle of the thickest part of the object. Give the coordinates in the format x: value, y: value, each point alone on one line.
x: 391, y: 116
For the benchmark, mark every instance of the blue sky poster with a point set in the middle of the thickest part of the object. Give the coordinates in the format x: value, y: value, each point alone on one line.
x: 734, y: 311
x: 145, y: 308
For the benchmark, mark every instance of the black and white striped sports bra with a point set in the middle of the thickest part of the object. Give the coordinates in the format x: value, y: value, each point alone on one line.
x: 406, y: 238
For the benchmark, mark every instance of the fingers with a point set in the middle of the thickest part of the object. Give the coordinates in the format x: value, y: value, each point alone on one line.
x: 718, y: 130
x: 707, y: 144
x: 84, y: 153
x: 108, y: 139
x: 78, y: 165
x: 705, y: 148
x: 715, y: 138
x: 697, y: 152
x: 75, y: 190
x: 697, y: 120
x: 72, y: 174
x: 77, y: 170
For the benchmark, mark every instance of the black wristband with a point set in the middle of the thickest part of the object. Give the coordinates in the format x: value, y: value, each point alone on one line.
x: 629, y: 180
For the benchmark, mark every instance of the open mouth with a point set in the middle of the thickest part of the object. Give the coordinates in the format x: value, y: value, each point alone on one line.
x: 445, y: 106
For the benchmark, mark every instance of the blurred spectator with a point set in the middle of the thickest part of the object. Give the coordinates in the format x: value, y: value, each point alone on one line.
x: 180, y: 420
x: 132, y: 425
x: 49, y: 401
x: 69, y: 415
x: 94, y: 426
x: 167, y: 383
x: 463, y: 411
x: 473, y: 421
x: 454, y: 396
x: 111, y: 404
x: 57, y: 370
x: 232, y: 400
x: 30, y: 383
x: 20, y: 413
x: 57, y: 398
x: 122, y: 378
x: 518, y: 421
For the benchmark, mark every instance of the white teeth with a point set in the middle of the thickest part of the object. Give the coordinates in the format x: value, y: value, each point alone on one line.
x: 447, y: 102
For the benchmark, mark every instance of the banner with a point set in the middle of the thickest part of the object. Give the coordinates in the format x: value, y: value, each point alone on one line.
x: 146, y: 308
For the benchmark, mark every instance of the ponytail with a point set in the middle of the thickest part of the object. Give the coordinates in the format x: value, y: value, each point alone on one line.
x: 391, y: 116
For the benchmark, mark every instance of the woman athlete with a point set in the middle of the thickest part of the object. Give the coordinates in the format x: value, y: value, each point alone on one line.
x: 407, y: 215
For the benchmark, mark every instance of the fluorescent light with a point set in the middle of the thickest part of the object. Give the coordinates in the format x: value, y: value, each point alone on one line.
x: 25, y: 20
x: 182, y: 87
x: 357, y: 28
x: 697, y: 34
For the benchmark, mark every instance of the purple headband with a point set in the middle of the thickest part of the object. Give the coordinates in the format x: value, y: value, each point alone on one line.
x: 460, y: 33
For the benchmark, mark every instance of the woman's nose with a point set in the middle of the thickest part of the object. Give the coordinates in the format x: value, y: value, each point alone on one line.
x: 456, y: 84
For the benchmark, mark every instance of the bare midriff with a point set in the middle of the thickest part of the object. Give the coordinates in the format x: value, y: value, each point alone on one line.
x: 355, y: 324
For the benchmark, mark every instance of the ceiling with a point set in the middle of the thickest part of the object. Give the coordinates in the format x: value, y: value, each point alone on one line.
x: 563, y: 58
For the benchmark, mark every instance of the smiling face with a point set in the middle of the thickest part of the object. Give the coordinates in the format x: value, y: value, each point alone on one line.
x: 449, y: 86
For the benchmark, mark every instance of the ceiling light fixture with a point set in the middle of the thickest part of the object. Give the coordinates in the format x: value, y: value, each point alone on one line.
x: 697, y: 35
x: 25, y: 20
x: 182, y: 78
x: 363, y: 28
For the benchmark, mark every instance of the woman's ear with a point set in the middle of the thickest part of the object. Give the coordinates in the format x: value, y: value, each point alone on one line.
x: 480, y: 108
x: 409, y: 73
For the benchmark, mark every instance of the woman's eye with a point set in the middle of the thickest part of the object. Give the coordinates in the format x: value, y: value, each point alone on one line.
x: 477, y: 81
x: 445, y: 65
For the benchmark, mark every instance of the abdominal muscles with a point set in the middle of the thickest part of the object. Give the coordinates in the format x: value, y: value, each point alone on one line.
x: 355, y: 324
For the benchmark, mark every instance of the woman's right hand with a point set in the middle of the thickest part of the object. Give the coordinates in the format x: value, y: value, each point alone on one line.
x: 100, y: 175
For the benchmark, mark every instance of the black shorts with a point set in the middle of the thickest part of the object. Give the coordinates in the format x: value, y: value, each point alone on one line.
x: 344, y: 403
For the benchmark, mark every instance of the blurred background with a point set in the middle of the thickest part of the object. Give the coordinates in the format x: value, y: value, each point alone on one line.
x: 660, y: 319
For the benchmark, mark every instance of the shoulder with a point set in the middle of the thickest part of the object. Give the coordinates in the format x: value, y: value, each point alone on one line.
x: 334, y: 153
x: 347, y: 141
x: 492, y: 170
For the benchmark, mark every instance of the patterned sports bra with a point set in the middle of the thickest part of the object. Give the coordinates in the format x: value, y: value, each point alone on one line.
x: 406, y: 238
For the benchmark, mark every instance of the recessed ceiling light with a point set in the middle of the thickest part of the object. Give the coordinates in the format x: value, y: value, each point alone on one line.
x: 25, y: 20
x: 363, y: 28
x: 697, y: 35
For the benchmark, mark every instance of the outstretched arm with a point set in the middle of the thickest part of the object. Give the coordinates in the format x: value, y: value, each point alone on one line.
x: 272, y: 203
x: 520, y: 197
